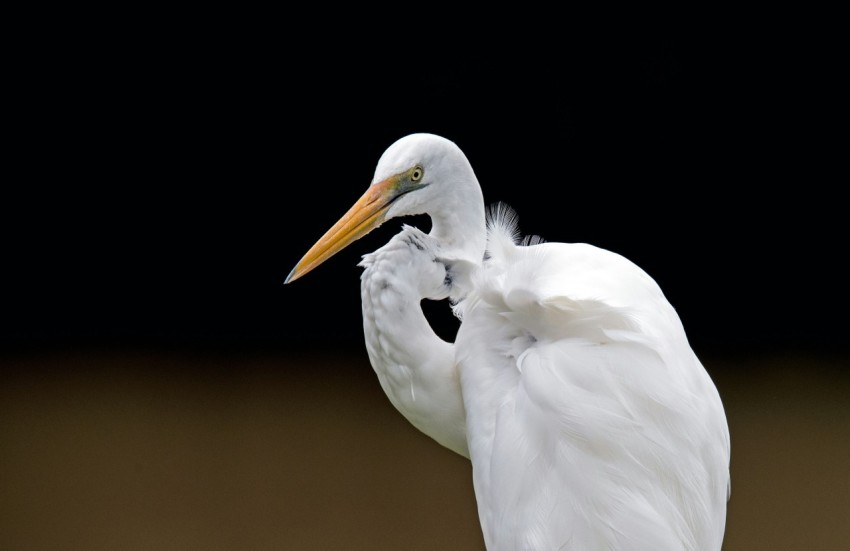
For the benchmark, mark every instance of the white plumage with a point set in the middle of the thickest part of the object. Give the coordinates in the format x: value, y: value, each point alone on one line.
x: 571, y: 385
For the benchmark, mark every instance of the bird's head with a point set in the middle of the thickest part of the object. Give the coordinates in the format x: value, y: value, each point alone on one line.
x: 420, y: 173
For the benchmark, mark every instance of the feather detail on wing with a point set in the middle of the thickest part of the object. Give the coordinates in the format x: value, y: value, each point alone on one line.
x: 581, y: 344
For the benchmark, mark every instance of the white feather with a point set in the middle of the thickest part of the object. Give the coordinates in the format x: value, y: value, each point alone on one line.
x: 571, y: 386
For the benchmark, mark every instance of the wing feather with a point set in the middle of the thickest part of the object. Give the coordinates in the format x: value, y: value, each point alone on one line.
x: 606, y: 426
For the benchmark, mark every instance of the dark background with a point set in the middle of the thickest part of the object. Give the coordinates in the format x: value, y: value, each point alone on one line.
x: 171, y: 180
x: 163, y: 389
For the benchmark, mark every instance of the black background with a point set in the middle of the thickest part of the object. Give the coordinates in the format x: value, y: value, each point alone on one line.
x: 164, y: 179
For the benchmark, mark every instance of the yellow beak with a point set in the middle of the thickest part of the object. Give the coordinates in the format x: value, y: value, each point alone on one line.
x: 368, y: 213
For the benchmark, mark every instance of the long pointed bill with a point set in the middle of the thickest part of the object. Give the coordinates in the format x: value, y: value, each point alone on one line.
x: 368, y: 213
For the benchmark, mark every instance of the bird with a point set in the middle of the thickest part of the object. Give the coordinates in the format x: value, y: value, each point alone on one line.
x: 589, y: 421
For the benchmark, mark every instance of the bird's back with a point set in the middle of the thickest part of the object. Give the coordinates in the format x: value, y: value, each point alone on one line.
x: 591, y: 423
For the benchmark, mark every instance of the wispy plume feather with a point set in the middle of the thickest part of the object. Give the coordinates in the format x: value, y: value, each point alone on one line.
x: 502, y: 220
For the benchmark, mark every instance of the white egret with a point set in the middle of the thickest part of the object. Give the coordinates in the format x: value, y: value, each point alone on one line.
x: 571, y: 385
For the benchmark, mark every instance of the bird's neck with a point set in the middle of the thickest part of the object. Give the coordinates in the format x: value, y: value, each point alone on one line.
x: 415, y: 367
x: 460, y: 229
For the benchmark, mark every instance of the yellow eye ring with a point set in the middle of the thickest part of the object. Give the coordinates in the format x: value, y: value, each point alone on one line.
x: 417, y: 173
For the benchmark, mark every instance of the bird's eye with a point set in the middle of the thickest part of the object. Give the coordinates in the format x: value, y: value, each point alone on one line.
x: 417, y: 173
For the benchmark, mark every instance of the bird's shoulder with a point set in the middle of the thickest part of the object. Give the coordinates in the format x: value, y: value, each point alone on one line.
x: 552, y: 285
x: 577, y: 348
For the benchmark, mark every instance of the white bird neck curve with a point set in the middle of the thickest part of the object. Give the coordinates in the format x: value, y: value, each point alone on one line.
x: 460, y: 227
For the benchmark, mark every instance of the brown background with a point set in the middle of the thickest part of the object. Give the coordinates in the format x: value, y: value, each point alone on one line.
x: 175, y: 450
